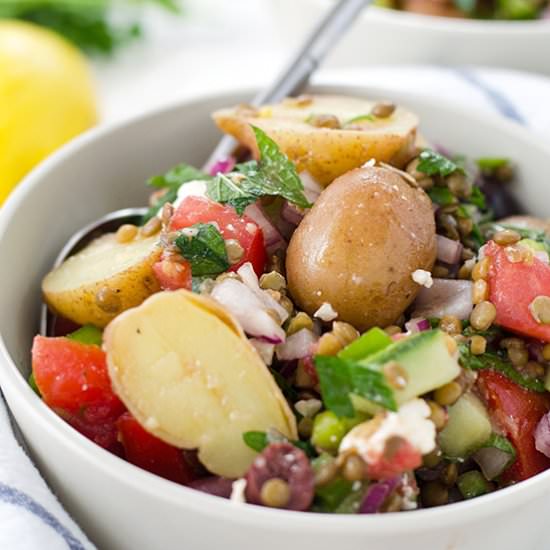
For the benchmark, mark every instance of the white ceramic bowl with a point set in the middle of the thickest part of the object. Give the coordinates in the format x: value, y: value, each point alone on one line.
x: 383, y: 36
x: 122, y: 507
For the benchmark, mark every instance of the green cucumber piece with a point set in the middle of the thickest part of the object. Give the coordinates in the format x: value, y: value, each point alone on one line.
x: 468, y: 427
x: 366, y: 345
x: 88, y: 334
x: 426, y: 359
x: 472, y: 484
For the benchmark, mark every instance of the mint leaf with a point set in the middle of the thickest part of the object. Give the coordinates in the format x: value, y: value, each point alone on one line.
x: 494, y: 362
x: 435, y: 164
x: 276, y: 173
x: 225, y: 189
x: 204, y: 248
x: 257, y: 441
x: 339, y: 378
x: 360, y: 118
x: 273, y: 175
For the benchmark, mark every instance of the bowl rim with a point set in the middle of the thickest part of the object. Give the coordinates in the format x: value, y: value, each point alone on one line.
x: 15, y: 386
x: 503, y: 27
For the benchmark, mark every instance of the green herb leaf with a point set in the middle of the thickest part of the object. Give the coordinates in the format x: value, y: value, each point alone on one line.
x: 171, y: 181
x: 177, y: 176
x: 441, y: 195
x: 203, y: 246
x: 339, y: 378
x: 273, y: 175
x: 225, y: 190
x: 435, y: 164
x: 276, y: 175
x: 257, y: 441
x: 491, y: 164
x: 494, y: 362
x: 477, y: 198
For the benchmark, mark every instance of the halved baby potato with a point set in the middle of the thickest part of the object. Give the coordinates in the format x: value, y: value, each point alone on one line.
x: 184, y: 368
x: 326, y: 153
x: 102, y: 280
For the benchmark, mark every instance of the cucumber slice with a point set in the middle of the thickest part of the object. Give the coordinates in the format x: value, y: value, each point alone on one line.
x: 468, y: 427
x: 426, y: 359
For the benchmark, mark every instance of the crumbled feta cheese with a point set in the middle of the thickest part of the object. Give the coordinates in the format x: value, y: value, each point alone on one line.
x: 411, y: 422
x: 326, y: 312
x: 308, y: 407
x: 195, y: 188
x: 238, y: 488
x: 422, y: 277
x: 189, y: 232
x: 151, y: 423
x: 369, y: 164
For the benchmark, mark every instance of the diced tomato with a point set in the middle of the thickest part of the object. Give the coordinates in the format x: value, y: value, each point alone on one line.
x: 173, y: 275
x: 396, y: 460
x: 516, y: 411
x: 152, y: 454
x: 73, y: 380
x: 232, y: 226
x: 512, y: 287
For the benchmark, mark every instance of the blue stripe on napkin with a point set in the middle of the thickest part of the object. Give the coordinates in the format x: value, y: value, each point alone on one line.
x: 499, y: 100
x: 17, y: 498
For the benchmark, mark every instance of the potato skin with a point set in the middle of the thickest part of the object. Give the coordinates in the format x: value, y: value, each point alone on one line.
x: 358, y: 246
x: 78, y: 303
x: 326, y: 153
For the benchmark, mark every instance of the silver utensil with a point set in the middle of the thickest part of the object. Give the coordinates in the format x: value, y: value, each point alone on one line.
x: 291, y: 81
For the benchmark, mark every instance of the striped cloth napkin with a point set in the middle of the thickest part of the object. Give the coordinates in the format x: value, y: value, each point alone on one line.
x: 30, y: 515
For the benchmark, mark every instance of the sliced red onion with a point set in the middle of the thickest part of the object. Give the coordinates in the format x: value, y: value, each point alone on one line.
x: 445, y: 297
x: 291, y: 213
x: 417, y: 325
x: 535, y: 351
x: 542, y: 255
x: 542, y: 435
x: 492, y: 461
x: 297, y: 345
x: 273, y: 239
x: 312, y: 189
x: 448, y: 250
x: 265, y: 350
x: 249, y: 310
x: 377, y: 494
x: 223, y: 166
x: 214, y: 485
x: 250, y: 279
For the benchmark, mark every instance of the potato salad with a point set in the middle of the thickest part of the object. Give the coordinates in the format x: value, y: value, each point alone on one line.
x: 340, y: 318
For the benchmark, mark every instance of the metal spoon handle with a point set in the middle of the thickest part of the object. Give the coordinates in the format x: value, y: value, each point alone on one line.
x: 296, y: 75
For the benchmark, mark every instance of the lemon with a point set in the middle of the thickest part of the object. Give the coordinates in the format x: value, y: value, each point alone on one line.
x: 46, y: 98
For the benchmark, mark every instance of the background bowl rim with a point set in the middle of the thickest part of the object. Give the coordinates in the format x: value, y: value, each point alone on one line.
x: 139, y: 480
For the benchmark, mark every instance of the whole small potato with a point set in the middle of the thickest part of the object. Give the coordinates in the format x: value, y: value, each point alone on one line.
x: 358, y: 246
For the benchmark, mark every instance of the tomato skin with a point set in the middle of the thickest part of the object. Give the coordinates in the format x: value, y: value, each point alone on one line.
x: 405, y: 457
x: 173, y: 275
x: 516, y: 411
x: 512, y: 287
x: 232, y: 226
x: 152, y: 454
x: 73, y: 380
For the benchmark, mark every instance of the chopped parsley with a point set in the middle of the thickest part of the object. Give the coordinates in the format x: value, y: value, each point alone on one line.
x: 434, y: 164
